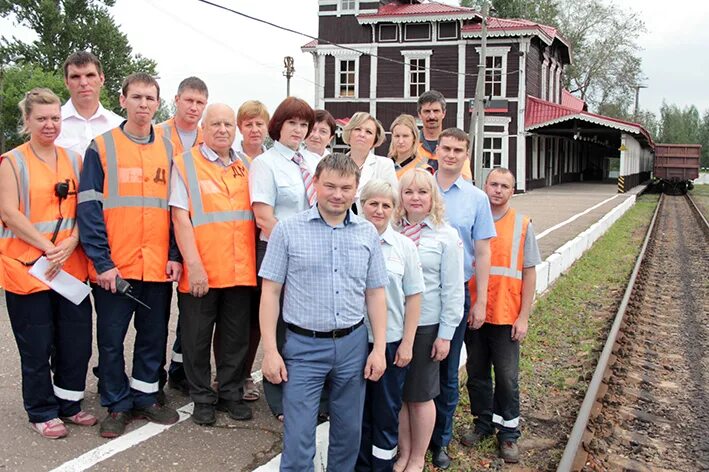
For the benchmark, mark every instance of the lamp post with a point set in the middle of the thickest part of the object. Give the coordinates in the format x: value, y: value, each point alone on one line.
x: 477, y: 119
x: 288, y: 72
x: 637, y: 87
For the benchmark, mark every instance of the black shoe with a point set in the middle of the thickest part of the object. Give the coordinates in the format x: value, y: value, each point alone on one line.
x: 203, y: 414
x: 114, y: 424
x: 237, y: 410
x: 161, y: 398
x: 472, y: 438
x: 440, y: 457
x: 179, y: 385
x: 157, y: 414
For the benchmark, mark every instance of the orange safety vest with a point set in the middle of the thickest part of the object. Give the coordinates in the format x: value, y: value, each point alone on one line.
x: 135, y: 197
x: 504, y: 290
x: 168, y: 129
x: 417, y: 163
x: 40, y: 204
x: 426, y: 155
x: 224, y: 227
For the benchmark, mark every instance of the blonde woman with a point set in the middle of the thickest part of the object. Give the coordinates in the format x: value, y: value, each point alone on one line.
x: 403, y: 149
x: 38, y: 199
x: 421, y: 218
x: 383, y: 400
x: 363, y: 133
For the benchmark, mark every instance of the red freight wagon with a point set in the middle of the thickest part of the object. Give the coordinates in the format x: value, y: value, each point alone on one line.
x: 677, y: 165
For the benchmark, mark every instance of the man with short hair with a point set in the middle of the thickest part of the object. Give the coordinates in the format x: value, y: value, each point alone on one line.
x: 431, y: 108
x: 184, y: 132
x: 468, y: 211
x: 216, y: 234
x: 124, y: 227
x: 330, y: 261
x: 495, y: 344
x: 83, y: 116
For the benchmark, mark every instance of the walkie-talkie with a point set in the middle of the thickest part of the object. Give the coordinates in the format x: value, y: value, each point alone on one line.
x: 124, y: 288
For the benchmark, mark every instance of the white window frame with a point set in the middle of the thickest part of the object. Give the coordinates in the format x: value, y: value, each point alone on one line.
x: 338, y: 62
x: 440, y: 36
x: 545, y: 78
x: 396, y: 37
x: 342, y: 9
x: 502, y: 150
x: 501, y: 51
x: 416, y: 54
x: 430, y: 32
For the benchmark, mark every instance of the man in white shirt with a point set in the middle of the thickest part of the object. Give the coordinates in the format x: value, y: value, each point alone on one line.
x: 83, y: 116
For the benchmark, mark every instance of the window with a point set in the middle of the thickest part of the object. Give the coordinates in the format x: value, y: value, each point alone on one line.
x: 388, y: 33
x: 348, y: 5
x: 416, y: 72
x: 492, y: 152
x: 346, y: 78
x: 493, y: 76
x: 417, y: 32
x: 495, y: 70
x: 448, y: 30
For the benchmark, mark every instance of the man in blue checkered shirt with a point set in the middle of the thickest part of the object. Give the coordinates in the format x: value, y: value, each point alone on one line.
x: 331, y: 264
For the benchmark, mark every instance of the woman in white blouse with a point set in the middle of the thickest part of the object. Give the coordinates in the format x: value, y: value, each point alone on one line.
x: 421, y: 218
x: 363, y: 133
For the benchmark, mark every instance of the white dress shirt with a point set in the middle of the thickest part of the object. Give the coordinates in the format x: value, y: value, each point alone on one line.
x: 77, y: 131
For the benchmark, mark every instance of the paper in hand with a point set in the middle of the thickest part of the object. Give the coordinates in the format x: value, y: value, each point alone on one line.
x: 64, y: 284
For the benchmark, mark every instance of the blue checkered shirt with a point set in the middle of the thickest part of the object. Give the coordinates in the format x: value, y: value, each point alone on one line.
x: 325, y: 270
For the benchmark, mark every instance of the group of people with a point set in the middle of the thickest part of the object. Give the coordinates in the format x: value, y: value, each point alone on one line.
x: 360, y: 275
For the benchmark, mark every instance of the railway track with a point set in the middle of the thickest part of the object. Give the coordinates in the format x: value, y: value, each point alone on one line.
x: 647, y: 406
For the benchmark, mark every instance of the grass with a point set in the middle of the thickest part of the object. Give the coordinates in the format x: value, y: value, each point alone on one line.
x: 700, y: 193
x: 567, y: 330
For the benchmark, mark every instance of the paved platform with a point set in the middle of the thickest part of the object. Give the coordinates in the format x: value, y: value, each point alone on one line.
x: 559, y: 214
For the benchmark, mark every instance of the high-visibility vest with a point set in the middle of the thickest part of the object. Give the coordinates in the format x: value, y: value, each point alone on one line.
x: 417, y: 163
x: 40, y: 204
x: 135, y: 196
x: 504, y: 290
x: 168, y: 129
x: 427, y: 156
x: 223, y: 223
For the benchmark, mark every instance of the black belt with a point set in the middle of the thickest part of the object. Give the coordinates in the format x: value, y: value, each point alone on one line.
x: 334, y: 334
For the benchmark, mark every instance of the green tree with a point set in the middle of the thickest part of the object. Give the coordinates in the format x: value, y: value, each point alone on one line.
x: 65, y: 26
x: 15, y: 81
x: 542, y: 11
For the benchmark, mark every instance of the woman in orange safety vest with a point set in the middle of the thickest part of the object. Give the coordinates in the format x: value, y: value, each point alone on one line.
x: 38, y: 183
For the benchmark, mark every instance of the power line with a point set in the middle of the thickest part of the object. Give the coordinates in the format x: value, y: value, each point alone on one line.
x: 337, y: 45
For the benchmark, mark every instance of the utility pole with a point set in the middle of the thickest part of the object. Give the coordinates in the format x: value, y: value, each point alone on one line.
x: 637, y: 88
x: 288, y: 73
x: 477, y: 118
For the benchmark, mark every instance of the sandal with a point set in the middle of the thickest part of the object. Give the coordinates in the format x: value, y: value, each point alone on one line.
x: 251, y: 391
x: 52, y: 429
x: 82, y: 418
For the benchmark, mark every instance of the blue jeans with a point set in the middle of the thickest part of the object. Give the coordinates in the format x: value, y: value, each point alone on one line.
x: 380, y: 423
x: 447, y: 400
x: 311, y: 361
x: 491, y: 346
x: 113, y: 315
x: 46, y: 324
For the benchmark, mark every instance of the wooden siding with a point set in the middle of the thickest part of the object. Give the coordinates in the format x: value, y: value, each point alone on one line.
x: 329, y: 77
x: 534, y: 68
x: 512, y: 68
x: 345, y: 109
x: 364, y: 76
x: 390, y: 75
x: 328, y: 7
x: 445, y: 58
x: 344, y: 29
x: 368, y: 5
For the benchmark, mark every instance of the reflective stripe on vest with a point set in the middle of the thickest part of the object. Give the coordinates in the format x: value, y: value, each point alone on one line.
x: 512, y: 271
x: 114, y: 199
x: 43, y: 227
x: 24, y: 178
x: 199, y: 216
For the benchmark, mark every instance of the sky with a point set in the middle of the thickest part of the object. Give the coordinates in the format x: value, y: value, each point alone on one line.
x: 242, y: 59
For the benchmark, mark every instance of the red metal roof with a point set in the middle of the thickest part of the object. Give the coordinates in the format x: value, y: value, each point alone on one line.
x: 571, y: 101
x: 540, y: 113
x: 311, y: 44
x: 416, y: 9
x: 513, y: 24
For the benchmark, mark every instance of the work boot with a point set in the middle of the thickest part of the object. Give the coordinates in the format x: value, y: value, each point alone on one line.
x: 237, y: 410
x: 114, y: 424
x: 471, y: 438
x: 203, y: 414
x: 179, y: 385
x: 509, y: 452
x: 440, y: 457
x: 157, y: 414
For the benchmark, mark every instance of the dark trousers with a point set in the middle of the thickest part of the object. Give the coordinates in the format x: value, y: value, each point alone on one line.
x: 46, y: 324
x: 380, y: 422
x: 447, y: 401
x: 492, y: 346
x: 177, y: 369
x: 311, y: 361
x: 113, y: 315
x: 227, y: 309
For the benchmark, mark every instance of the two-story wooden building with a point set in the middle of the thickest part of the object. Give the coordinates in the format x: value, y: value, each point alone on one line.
x: 379, y: 56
